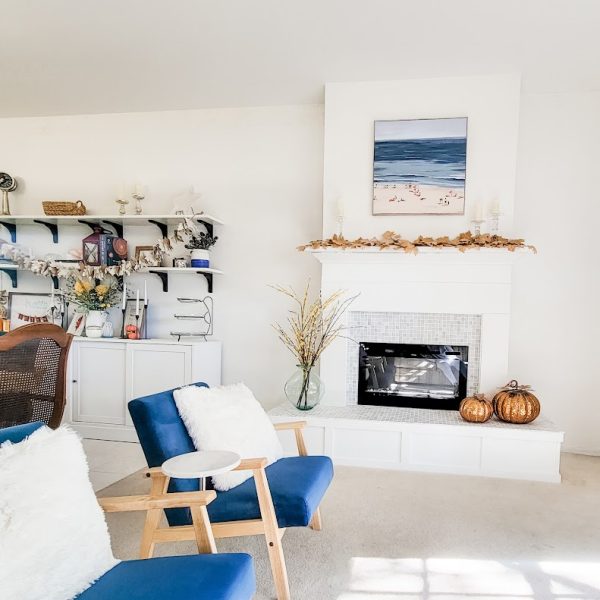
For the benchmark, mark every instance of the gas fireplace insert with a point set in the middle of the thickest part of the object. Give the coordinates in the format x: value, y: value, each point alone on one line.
x: 412, y: 375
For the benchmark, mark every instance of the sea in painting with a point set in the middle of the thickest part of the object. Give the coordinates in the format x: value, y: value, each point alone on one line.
x: 420, y: 166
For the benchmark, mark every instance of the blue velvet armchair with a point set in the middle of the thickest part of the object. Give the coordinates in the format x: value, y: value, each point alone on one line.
x: 199, y: 577
x: 285, y: 494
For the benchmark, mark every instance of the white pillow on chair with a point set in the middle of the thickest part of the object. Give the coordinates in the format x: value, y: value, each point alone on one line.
x: 228, y: 418
x: 54, y: 541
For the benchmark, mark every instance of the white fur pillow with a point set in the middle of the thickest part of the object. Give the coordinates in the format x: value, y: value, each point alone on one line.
x: 228, y: 418
x: 53, y: 537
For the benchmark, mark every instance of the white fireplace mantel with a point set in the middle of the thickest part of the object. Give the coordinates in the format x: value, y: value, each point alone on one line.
x: 434, y: 280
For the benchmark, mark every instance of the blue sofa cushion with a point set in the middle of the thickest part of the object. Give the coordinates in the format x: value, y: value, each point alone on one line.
x: 18, y: 433
x: 196, y: 577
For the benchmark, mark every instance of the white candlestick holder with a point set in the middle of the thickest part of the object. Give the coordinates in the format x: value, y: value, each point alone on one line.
x: 476, y: 226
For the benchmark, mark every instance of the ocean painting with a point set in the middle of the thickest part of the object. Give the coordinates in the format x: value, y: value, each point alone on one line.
x: 420, y: 166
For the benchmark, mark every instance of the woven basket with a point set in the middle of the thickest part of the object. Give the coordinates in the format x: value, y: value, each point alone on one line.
x: 64, y: 208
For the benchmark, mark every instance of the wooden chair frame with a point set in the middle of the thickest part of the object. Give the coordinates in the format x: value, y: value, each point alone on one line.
x: 63, y: 340
x: 205, y: 532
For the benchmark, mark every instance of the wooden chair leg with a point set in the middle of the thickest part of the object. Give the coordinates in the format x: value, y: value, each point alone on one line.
x: 203, y: 530
x: 274, y: 547
x: 152, y: 520
x: 315, y: 523
x: 159, y: 486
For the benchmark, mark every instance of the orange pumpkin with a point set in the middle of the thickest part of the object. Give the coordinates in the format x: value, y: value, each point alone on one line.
x: 476, y: 409
x: 515, y: 403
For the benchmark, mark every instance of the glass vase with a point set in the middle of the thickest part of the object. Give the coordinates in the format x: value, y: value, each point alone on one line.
x: 304, y: 389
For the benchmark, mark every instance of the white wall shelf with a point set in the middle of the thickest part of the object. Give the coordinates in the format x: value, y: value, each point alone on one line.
x: 117, y: 222
x: 163, y: 273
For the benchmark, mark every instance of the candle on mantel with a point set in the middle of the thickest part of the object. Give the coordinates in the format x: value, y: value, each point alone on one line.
x: 124, y: 296
x: 121, y: 192
x: 478, y: 212
x: 495, y: 207
x: 137, y: 303
x: 138, y: 189
x: 341, y: 208
x: 145, y: 293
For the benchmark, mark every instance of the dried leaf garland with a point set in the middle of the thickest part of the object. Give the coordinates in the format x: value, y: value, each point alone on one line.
x: 394, y: 241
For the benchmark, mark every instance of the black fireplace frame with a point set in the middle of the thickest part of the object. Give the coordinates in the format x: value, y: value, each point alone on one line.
x: 372, y: 398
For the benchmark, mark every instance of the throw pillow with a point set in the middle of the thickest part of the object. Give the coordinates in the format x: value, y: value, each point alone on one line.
x: 54, y: 541
x: 228, y: 418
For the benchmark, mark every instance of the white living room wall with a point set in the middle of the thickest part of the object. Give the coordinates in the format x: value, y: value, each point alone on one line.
x: 556, y: 294
x: 492, y: 107
x: 259, y: 170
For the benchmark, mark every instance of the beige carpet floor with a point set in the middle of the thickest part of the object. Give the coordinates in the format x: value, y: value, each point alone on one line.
x: 396, y: 535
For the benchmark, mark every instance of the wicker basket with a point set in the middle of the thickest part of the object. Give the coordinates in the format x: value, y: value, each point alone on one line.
x: 65, y: 209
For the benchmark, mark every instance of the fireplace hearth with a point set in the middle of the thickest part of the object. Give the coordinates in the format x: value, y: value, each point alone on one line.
x: 412, y: 375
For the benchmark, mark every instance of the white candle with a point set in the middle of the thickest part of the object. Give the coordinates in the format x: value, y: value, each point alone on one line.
x: 52, y: 296
x: 121, y: 192
x: 139, y: 189
x: 478, y: 212
x: 495, y: 207
x: 145, y: 293
x: 137, y: 303
x: 124, y: 295
x: 341, y: 208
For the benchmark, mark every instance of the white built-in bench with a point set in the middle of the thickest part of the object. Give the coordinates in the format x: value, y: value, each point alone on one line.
x: 427, y: 440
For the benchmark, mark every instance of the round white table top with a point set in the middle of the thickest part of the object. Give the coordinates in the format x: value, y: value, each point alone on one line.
x: 200, y: 464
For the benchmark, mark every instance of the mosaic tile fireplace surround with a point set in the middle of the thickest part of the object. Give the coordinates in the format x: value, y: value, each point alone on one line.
x: 412, y: 328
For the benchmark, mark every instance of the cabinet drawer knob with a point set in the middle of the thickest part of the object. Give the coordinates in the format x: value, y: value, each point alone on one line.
x: 74, y: 381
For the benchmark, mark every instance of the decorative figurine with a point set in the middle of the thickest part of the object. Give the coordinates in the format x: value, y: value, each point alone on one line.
x: 7, y: 184
x: 138, y: 196
x: 122, y: 203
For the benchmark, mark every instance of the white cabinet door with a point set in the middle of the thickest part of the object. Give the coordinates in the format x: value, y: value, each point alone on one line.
x: 98, y: 383
x: 155, y: 368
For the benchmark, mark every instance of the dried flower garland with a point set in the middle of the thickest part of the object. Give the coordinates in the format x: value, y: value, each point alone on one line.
x: 394, y: 241
x: 51, y: 268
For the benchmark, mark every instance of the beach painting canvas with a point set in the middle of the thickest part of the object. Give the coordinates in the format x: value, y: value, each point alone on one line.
x: 420, y: 166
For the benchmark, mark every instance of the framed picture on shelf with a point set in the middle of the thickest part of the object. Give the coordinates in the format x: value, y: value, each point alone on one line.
x: 25, y: 308
x: 77, y: 324
x: 180, y: 263
x: 419, y: 167
x: 135, y: 329
x: 146, y: 253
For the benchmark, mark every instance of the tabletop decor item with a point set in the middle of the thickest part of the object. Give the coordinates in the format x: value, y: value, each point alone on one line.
x: 202, y: 317
x: 515, y: 403
x: 138, y: 196
x: 146, y: 254
x: 419, y: 167
x: 391, y: 240
x: 7, y: 184
x: 476, y: 409
x: 64, y: 209
x: 103, y: 248
x: 134, y: 322
x: 200, y: 245
x: 310, y: 329
x: 25, y: 308
x: 93, y: 299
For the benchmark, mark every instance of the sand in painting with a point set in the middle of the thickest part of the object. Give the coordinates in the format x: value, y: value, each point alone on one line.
x: 407, y: 198
x: 419, y: 166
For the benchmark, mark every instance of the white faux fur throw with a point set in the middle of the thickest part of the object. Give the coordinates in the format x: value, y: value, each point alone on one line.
x: 53, y: 537
x: 228, y: 418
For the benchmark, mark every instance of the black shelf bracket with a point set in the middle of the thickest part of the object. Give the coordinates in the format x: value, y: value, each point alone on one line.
x: 53, y: 227
x: 164, y: 277
x: 118, y: 227
x: 12, y: 273
x: 164, y: 230
x: 55, y: 281
x: 209, y: 280
x: 209, y: 227
x: 12, y: 228
x: 91, y: 224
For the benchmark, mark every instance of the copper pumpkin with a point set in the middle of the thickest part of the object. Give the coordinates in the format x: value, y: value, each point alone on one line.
x: 515, y: 403
x: 476, y: 409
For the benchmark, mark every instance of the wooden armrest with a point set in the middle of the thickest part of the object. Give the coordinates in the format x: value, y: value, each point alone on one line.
x: 290, y: 425
x: 251, y: 464
x: 146, y: 502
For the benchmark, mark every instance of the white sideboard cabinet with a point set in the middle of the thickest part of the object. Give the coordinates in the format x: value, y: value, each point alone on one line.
x: 105, y: 374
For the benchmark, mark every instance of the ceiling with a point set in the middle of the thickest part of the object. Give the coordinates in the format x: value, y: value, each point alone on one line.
x: 92, y: 56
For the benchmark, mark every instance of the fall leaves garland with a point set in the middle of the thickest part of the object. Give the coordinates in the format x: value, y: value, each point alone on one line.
x: 394, y: 241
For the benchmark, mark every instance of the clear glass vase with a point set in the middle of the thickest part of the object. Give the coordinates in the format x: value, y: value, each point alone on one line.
x: 304, y: 389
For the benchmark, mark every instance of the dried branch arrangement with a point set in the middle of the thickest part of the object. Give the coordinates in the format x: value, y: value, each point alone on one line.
x: 394, y: 241
x: 312, y: 325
